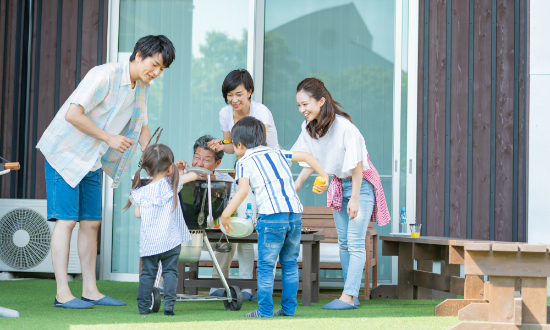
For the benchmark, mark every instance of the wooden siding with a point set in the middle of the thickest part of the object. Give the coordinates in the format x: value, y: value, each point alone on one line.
x: 498, y: 115
x: 49, y: 35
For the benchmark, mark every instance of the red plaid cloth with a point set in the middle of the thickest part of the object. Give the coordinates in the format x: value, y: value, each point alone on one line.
x: 380, y: 213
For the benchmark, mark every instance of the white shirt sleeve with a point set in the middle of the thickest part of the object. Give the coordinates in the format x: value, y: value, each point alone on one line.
x: 263, y: 114
x: 354, y: 146
x: 135, y: 196
x: 224, y: 120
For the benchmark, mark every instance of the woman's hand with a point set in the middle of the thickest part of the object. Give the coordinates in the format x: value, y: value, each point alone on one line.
x: 181, y: 165
x: 320, y: 188
x: 353, y: 208
x: 215, y: 145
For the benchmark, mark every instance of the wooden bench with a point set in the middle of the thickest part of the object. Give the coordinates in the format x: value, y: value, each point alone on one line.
x: 515, y: 296
x: 423, y: 283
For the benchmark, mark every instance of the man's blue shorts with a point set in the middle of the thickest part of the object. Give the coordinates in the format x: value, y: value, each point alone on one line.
x: 82, y: 202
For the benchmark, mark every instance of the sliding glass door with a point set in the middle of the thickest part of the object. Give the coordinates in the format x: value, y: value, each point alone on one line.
x: 210, y: 38
x: 349, y: 45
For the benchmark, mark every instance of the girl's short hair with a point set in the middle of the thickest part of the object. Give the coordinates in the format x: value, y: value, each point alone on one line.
x: 157, y: 158
x: 316, y: 89
x: 236, y: 78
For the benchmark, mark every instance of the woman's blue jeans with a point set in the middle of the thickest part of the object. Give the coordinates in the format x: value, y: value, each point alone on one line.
x: 278, y: 236
x: 351, y: 235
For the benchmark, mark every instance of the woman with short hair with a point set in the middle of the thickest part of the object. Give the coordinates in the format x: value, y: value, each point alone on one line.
x: 237, y: 89
x: 355, y: 193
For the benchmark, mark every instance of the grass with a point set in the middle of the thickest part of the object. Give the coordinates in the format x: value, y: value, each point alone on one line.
x: 34, y: 301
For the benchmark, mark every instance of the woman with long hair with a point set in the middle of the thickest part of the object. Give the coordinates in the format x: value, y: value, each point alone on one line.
x: 355, y: 193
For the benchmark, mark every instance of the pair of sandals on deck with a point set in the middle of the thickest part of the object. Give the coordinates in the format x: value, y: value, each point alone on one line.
x: 85, y: 303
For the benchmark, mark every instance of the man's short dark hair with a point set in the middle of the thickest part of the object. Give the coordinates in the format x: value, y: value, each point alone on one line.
x: 250, y: 132
x: 150, y: 45
x: 236, y: 78
x: 203, y: 143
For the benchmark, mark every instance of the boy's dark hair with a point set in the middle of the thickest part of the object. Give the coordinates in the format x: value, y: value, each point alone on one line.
x: 250, y: 132
x: 150, y: 45
x: 236, y: 78
x: 156, y: 159
x: 203, y: 143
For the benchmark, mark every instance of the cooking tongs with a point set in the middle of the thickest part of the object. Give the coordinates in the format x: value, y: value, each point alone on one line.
x: 148, y: 143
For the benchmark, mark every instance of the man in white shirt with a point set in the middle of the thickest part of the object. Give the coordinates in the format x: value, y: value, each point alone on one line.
x: 204, y: 157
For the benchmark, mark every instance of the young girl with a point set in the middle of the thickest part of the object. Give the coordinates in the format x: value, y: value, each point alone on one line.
x: 162, y: 225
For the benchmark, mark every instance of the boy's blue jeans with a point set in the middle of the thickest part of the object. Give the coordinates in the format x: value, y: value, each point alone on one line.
x: 278, y: 236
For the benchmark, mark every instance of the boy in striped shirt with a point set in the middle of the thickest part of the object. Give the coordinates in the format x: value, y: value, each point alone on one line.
x: 279, y: 224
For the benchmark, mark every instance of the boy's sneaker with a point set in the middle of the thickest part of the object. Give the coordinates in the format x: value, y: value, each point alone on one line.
x: 169, y: 313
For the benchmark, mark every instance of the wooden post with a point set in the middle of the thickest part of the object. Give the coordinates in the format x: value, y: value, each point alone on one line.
x: 533, y: 294
x: 448, y: 269
x: 501, y: 301
x: 315, y: 267
x: 424, y: 293
x: 375, y: 257
x: 306, y: 273
x: 368, y: 249
x: 474, y: 287
x: 181, y: 274
x: 194, y: 267
x: 405, y: 265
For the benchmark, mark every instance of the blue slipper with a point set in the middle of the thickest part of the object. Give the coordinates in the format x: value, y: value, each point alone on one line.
x: 217, y: 293
x: 105, y: 301
x: 247, y: 296
x: 356, y: 302
x: 338, y: 304
x: 73, y: 304
x: 254, y: 296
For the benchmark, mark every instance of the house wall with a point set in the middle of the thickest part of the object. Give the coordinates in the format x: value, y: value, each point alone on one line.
x: 472, y: 134
x: 539, y: 155
x: 68, y: 38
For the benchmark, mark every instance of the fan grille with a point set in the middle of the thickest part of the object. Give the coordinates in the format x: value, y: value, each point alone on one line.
x: 36, y: 250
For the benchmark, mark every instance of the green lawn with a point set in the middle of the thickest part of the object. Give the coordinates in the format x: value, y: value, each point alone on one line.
x: 34, y: 301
